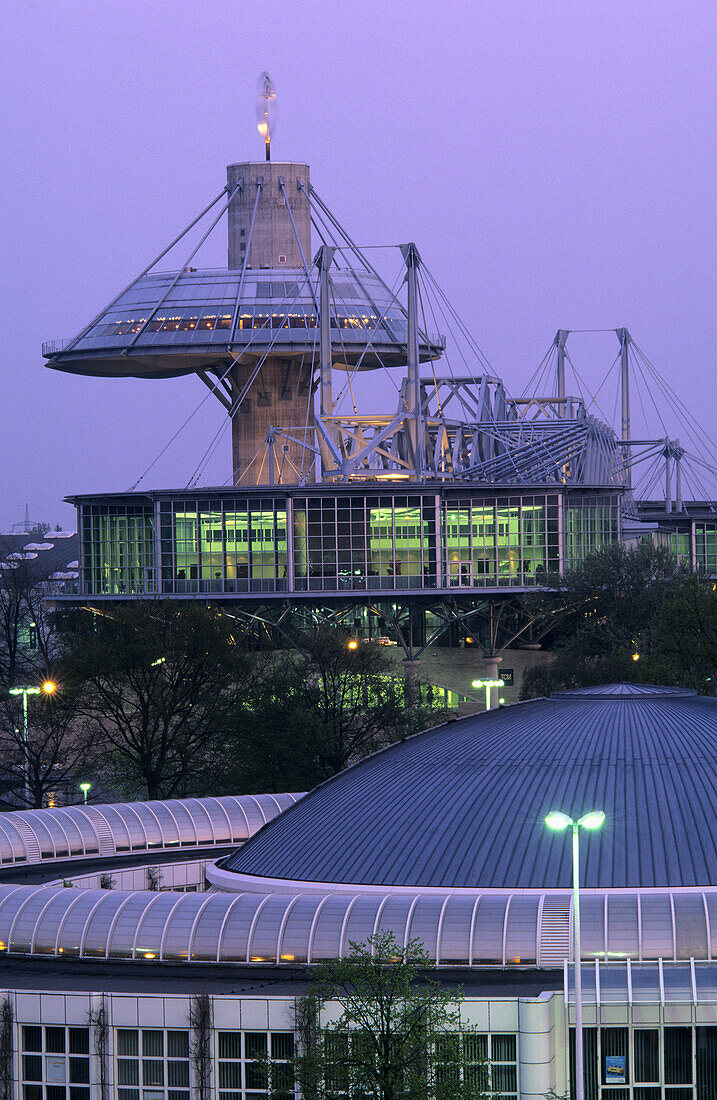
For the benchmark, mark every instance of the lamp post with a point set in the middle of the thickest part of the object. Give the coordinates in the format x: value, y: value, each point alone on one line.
x: 48, y: 688
x: 85, y: 788
x: 593, y: 820
x: 488, y: 684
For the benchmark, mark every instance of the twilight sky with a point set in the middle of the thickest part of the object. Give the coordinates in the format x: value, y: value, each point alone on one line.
x: 554, y: 161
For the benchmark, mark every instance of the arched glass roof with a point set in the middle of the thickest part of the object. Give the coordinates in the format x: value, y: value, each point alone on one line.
x: 497, y: 928
x: 75, y: 832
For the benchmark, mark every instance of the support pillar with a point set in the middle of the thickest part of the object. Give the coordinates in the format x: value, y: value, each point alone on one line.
x: 415, y: 427
x: 411, y: 690
x: 560, y: 342
x: 324, y: 259
x: 624, y: 337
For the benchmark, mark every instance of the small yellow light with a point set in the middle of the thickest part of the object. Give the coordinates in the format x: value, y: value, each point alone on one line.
x: 49, y: 687
x: 636, y: 656
x: 353, y: 644
x: 150, y: 955
x: 288, y: 958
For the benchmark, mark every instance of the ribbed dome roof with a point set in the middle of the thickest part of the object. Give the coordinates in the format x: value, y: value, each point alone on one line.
x: 462, y: 805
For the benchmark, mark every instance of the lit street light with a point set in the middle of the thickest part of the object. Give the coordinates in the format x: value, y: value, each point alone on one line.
x: 48, y: 688
x: 593, y: 820
x: 488, y: 684
x: 85, y: 788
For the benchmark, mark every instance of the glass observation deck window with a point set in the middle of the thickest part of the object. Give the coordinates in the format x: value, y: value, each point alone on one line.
x: 229, y: 545
x: 333, y: 541
x: 364, y: 543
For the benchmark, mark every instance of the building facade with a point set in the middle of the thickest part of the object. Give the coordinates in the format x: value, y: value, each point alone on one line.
x: 111, y: 939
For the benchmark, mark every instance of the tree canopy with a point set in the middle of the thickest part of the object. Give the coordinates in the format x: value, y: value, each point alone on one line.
x: 157, y: 684
x: 627, y: 614
x: 320, y: 707
x: 376, y: 1025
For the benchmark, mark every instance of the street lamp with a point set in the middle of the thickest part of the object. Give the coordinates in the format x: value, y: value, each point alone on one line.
x: 85, y: 788
x: 560, y: 821
x: 48, y: 688
x: 488, y: 684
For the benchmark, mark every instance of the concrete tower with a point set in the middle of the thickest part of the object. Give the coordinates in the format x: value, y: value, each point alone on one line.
x: 282, y: 395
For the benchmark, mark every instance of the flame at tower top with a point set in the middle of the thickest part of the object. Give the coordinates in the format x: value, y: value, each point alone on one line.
x: 266, y: 110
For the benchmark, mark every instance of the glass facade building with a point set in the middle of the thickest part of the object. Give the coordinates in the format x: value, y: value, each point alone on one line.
x: 420, y: 539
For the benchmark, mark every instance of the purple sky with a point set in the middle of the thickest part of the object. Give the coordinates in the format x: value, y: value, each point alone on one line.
x: 555, y: 162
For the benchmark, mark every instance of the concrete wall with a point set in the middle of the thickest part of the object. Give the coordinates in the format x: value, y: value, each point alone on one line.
x: 273, y: 242
x: 280, y: 397
x: 456, y: 668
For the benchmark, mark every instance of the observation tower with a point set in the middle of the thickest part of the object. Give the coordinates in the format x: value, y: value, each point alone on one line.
x: 421, y: 520
x: 266, y: 334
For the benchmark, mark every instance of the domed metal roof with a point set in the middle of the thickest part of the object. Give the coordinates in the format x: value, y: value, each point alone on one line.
x: 463, y: 805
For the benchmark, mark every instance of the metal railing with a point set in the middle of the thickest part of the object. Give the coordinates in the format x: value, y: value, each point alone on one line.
x: 51, y: 347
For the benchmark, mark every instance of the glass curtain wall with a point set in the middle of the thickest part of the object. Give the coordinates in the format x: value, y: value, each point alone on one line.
x: 679, y: 543
x: 706, y: 547
x: 224, y: 545
x: 501, y: 542
x: 369, y: 543
x: 118, y: 557
x: 672, y: 1063
x: 351, y: 541
x: 590, y: 523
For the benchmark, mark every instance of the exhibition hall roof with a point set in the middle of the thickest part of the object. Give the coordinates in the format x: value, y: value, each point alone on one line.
x: 462, y: 806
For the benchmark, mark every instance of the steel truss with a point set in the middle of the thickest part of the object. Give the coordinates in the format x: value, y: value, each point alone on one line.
x: 496, y: 621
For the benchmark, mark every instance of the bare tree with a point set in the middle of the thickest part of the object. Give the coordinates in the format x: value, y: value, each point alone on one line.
x: 201, y: 1021
x: 156, y: 685
x: 17, y: 579
x: 99, y: 1024
x: 27, y: 629
x: 59, y: 748
x: 330, y: 703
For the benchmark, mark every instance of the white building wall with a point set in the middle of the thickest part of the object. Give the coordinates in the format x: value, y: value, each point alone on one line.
x: 533, y: 1020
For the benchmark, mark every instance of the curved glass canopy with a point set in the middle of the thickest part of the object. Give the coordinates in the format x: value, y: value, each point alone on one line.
x: 175, y: 323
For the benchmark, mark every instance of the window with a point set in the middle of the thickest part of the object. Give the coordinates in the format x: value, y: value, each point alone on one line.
x: 55, y: 1060
x: 257, y: 1059
x: 678, y: 1059
x: 153, y: 1062
x: 500, y: 1076
x: 118, y: 549
x: 647, y: 1055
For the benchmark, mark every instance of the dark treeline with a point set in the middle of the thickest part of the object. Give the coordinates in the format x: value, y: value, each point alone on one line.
x: 629, y: 615
x: 164, y: 700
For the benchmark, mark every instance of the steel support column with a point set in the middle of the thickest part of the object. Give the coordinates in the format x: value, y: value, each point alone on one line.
x: 323, y: 261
